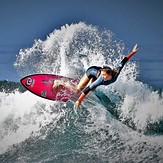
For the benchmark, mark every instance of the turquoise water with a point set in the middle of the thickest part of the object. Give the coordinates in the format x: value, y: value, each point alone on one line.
x: 122, y: 122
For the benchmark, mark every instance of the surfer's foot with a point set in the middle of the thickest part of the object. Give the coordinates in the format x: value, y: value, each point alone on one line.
x: 56, y: 84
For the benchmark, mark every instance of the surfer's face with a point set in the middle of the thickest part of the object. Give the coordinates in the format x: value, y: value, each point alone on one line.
x: 105, y: 75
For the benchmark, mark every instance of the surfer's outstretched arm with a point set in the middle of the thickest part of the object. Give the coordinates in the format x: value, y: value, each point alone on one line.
x: 128, y: 56
x: 117, y: 70
x: 134, y: 50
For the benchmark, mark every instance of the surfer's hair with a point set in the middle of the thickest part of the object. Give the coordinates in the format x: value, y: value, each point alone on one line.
x: 107, y: 69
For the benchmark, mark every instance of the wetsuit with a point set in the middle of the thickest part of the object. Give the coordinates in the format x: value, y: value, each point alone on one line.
x: 93, y: 72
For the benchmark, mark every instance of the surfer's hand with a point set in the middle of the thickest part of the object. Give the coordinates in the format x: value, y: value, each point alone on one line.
x: 76, y: 105
x: 135, y: 49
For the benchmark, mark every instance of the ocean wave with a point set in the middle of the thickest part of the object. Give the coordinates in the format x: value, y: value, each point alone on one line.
x: 119, y: 122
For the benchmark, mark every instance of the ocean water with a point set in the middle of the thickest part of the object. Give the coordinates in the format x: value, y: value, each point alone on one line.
x: 122, y: 122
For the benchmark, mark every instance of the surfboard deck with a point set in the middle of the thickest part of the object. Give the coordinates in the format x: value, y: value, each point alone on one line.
x: 41, y: 85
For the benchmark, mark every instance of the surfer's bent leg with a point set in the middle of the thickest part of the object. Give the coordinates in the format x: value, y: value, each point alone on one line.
x: 75, y: 88
x: 89, y: 76
x: 81, y: 85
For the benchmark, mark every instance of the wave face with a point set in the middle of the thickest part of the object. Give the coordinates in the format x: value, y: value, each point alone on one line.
x: 120, y: 122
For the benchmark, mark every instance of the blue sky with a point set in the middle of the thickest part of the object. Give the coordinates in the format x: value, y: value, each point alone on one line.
x: 132, y: 21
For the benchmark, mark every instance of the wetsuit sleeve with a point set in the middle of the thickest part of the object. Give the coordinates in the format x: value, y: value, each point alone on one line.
x: 121, y: 64
x: 118, y: 69
x: 84, y: 93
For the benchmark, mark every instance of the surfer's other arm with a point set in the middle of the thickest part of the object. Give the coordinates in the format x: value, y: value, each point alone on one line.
x: 82, y: 96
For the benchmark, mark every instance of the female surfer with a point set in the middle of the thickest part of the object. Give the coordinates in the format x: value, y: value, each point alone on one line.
x: 96, y: 76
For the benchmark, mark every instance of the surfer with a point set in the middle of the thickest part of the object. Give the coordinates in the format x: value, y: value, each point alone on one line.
x: 96, y: 76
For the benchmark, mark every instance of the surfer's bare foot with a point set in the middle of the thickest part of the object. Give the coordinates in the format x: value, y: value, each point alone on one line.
x: 56, y: 84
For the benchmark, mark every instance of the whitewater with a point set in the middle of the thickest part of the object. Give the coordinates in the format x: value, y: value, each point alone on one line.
x: 122, y: 122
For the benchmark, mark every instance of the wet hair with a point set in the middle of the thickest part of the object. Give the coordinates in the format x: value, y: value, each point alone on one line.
x: 107, y: 69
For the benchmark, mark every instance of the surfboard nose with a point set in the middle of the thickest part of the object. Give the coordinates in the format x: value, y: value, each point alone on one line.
x: 27, y: 82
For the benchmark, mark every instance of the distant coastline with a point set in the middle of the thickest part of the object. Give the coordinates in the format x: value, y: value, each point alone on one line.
x: 9, y: 86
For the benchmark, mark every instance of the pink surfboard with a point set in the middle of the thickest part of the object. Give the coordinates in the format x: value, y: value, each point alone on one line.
x: 41, y: 85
